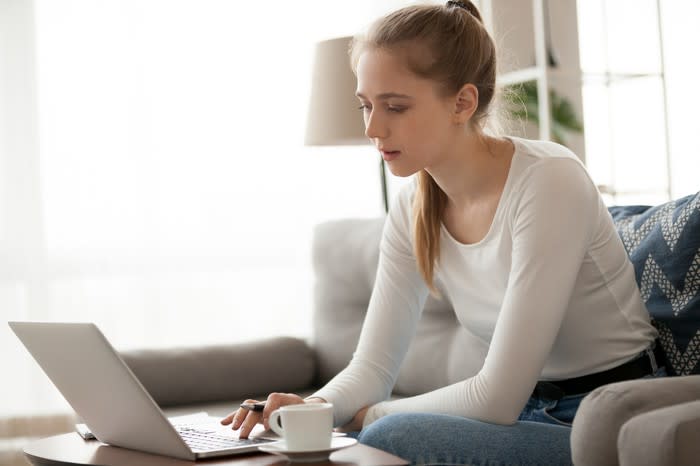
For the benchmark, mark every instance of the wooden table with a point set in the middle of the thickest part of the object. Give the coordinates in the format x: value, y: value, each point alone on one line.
x: 72, y: 449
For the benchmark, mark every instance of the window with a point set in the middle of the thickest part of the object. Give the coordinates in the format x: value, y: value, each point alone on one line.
x: 639, y: 104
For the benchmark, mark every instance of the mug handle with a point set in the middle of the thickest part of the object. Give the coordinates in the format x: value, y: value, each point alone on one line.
x: 274, y: 422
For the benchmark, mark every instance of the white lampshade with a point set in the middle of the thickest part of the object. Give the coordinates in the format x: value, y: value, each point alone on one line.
x: 334, y: 118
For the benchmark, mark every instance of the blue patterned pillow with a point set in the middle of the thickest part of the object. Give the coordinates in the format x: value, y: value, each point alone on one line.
x: 663, y: 243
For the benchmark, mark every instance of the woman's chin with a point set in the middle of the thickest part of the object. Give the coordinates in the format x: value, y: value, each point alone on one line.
x: 401, y: 172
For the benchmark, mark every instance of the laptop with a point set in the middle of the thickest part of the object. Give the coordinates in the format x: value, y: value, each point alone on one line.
x: 102, y: 389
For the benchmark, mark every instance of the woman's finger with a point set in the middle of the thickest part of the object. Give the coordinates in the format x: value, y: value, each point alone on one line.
x: 275, y: 401
x: 237, y: 416
x: 229, y: 419
x: 248, y: 424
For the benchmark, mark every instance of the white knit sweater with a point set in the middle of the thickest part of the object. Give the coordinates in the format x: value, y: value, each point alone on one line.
x: 550, y: 288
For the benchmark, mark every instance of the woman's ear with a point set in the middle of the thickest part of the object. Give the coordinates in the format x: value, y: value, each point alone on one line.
x: 466, y: 103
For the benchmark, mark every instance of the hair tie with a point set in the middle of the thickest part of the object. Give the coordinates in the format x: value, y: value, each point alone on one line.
x: 457, y: 4
x: 469, y: 6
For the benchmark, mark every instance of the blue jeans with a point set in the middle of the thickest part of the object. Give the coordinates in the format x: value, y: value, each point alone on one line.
x: 539, y: 437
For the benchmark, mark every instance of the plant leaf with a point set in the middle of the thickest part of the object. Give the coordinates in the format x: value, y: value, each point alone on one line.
x: 522, y: 103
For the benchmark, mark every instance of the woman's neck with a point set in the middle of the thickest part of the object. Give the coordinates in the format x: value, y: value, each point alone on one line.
x: 475, y: 171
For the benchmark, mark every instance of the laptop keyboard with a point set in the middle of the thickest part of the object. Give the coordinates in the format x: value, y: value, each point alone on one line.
x: 206, y: 440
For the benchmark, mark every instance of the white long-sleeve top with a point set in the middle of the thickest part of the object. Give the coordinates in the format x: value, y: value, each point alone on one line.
x: 550, y: 288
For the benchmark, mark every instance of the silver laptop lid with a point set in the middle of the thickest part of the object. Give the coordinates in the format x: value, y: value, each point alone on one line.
x: 100, y: 387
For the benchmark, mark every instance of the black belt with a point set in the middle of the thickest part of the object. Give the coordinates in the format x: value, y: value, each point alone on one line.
x: 635, y: 369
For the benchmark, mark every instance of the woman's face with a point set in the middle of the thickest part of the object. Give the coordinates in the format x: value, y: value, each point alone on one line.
x: 404, y: 116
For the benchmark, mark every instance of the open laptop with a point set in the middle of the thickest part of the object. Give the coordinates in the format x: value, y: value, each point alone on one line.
x: 102, y: 389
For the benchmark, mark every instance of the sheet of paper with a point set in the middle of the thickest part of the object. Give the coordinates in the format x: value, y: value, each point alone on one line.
x: 203, y: 420
x: 201, y: 417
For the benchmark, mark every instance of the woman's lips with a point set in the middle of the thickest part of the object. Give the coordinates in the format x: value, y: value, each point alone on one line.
x: 390, y: 155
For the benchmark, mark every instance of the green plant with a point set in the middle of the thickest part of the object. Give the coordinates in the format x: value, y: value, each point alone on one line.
x: 523, y: 105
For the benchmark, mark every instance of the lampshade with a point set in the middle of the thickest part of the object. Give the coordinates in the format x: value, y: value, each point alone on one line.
x: 334, y: 118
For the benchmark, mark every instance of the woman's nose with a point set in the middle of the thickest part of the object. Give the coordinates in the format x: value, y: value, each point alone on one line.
x: 374, y: 127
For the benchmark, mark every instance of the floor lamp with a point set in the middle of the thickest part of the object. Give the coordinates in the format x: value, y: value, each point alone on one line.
x: 333, y: 118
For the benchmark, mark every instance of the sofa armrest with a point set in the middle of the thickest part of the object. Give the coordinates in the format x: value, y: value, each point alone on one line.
x: 663, y: 437
x: 603, y: 412
x: 184, y: 376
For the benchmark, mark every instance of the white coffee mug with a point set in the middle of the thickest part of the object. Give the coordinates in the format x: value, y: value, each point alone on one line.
x: 304, y: 427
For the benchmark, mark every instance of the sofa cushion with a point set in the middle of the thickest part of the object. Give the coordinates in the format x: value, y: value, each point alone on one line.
x: 662, y: 437
x: 345, y: 257
x: 184, y: 376
x: 663, y: 243
x: 606, y: 409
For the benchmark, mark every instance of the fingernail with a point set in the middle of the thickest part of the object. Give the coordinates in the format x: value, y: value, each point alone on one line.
x: 236, y: 425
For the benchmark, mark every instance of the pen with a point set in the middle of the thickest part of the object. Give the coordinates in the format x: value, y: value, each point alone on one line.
x: 256, y: 407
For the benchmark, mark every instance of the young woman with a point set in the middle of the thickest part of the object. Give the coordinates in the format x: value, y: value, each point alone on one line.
x: 518, y: 235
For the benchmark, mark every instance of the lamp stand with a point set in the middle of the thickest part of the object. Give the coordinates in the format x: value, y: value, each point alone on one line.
x: 382, y: 178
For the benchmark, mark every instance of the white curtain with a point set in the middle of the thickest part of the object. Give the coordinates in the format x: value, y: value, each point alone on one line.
x: 153, y: 177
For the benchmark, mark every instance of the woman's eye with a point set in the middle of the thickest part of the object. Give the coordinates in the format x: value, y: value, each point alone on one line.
x: 396, y: 109
x: 389, y: 108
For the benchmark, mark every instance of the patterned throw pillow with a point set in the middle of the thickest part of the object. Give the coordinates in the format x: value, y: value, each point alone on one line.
x: 663, y: 243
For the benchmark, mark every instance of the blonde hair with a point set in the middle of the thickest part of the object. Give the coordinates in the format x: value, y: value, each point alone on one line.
x: 450, y: 45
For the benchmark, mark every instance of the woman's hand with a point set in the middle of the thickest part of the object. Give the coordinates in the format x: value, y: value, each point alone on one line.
x: 246, y: 419
x: 356, y: 424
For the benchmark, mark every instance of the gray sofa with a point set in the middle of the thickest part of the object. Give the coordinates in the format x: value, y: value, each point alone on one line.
x: 639, y: 422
